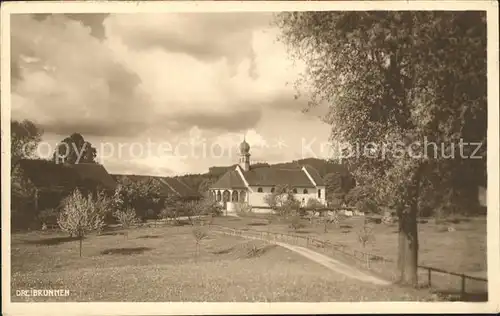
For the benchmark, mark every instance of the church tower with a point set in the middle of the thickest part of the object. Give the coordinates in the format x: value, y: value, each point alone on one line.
x: 245, y: 155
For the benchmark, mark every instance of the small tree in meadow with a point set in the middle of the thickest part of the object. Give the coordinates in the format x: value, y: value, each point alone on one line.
x: 289, y: 207
x: 271, y: 200
x: 365, y: 235
x: 126, y: 218
x: 199, y: 233
x: 80, y: 216
x: 279, y: 197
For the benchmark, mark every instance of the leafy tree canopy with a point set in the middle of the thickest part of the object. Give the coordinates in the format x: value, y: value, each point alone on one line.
x: 74, y: 149
x: 392, y: 82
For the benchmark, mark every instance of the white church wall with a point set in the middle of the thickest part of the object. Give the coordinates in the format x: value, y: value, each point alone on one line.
x: 257, y: 199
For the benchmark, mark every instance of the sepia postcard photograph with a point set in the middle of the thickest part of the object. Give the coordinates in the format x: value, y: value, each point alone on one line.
x: 213, y: 157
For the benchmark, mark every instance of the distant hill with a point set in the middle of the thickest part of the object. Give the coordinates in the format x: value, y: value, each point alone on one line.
x: 202, y: 182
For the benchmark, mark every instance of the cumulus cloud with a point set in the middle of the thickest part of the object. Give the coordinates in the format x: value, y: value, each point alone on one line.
x: 69, y: 79
x: 205, y: 36
x: 156, y: 76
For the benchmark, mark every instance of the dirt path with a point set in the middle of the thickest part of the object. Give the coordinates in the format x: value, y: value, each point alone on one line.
x: 334, y: 265
x: 330, y: 263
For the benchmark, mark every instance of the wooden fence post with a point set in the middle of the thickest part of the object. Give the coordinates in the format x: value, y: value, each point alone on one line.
x: 463, y: 286
x: 429, y: 271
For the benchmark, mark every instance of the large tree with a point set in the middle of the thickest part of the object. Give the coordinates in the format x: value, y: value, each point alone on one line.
x: 25, y: 137
x: 393, y: 80
x: 337, y: 186
x: 74, y: 149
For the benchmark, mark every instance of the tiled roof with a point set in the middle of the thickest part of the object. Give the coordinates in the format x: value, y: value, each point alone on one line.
x: 230, y: 179
x: 168, y: 186
x: 269, y: 176
x: 181, y: 188
x: 315, y: 175
x: 95, y: 172
x: 47, y: 174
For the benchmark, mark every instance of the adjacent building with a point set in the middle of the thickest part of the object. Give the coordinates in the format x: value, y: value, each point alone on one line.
x: 169, y: 187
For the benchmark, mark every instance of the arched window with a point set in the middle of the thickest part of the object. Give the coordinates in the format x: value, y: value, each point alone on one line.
x: 226, y: 196
x: 294, y: 190
x: 319, y: 193
x: 259, y: 190
x: 305, y: 191
x: 272, y: 190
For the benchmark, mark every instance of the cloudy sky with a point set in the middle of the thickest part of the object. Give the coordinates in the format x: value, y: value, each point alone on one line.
x: 162, y: 94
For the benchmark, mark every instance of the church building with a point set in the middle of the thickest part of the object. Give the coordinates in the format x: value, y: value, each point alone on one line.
x: 249, y: 185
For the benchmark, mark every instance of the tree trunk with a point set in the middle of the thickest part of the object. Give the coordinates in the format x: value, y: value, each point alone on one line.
x: 408, y: 233
x: 401, y: 246
x: 408, y: 248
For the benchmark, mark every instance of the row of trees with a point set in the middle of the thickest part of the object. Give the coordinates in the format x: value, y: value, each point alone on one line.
x: 82, y: 214
x: 400, y: 77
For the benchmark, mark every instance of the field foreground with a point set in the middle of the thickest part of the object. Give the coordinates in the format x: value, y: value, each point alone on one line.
x: 462, y: 250
x: 160, y: 265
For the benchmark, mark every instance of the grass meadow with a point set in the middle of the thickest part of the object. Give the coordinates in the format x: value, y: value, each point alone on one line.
x: 159, y: 264
x: 462, y: 250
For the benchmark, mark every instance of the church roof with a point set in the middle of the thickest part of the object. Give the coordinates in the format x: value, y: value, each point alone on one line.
x: 315, y: 175
x: 231, y: 179
x: 269, y: 176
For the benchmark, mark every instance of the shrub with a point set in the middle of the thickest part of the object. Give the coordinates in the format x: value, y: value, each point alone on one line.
x: 314, y: 204
x: 367, y: 206
x: 208, y: 206
x: 243, y: 209
x: 289, y: 207
x: 296, y: 223
x: 80, y: 216
x: 48, y: 217
x: 126, y: 218
x: 168, y: 214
